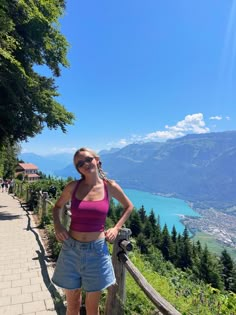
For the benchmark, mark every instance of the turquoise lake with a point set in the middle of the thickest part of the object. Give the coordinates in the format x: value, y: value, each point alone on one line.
x: 170, y: 210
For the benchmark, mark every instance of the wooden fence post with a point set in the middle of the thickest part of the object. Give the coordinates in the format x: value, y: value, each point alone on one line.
x: 27, y: 195
x: 15, y: 189
x: 39, y: 205
x: 44, y: 204
x: 116, y: 294
x: 21, y: 189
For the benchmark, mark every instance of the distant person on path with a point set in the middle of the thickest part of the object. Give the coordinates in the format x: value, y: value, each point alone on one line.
x: 3, y: 185
x: 84, y: 261
x: 6, y: 185
x: 11, y: 186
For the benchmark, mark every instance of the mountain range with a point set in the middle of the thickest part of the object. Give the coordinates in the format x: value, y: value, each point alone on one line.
x: 47, y: 164
x: 199, y: 168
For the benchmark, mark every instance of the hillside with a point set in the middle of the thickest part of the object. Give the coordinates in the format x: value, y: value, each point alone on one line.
x: 198, y: 168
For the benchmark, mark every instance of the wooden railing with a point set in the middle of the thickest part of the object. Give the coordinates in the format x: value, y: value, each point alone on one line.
x: 40, y: 202
x: 115, y: 302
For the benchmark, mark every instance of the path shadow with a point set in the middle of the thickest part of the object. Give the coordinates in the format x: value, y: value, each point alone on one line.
x: 8, y: 216
x: 43, y: 259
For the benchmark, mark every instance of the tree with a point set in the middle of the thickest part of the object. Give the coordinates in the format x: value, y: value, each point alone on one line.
x: 29, y: 37
x: 174, y: 234
x: 157, y: 234
x: 135, y: 224
x: 8, y: 159
x: 228, y: 271
x: 143, y: 243
x: 166, y: 244
x: 209, y: 269
x: 186, y: 251
x: 142, y: 213
x: 20, y: 176
x: 148, y: 230
x: 152, y: 218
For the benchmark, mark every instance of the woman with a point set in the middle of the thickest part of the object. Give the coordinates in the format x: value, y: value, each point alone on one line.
x: 84, y: 261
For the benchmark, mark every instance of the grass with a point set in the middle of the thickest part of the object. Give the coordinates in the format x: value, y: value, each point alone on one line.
x: 213, y: 245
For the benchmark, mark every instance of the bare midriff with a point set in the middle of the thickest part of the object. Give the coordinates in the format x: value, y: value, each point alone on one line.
x: 86, y: 236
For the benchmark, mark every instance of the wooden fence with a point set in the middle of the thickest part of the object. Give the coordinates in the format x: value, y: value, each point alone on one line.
x: 115, y: 302
x: 40, y: 203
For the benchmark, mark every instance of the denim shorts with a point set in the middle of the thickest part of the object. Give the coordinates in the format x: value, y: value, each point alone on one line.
x: 84, y: 265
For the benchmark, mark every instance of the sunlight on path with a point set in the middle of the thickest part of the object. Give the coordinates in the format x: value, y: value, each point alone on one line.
x: 24, y: 267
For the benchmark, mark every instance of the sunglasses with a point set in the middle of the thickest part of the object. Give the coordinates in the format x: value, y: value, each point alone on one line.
x: 81, y: 163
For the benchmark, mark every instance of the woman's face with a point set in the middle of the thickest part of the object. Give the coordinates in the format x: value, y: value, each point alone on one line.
x: 85, y: 162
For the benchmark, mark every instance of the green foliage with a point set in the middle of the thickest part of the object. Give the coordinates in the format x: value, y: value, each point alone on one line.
x: 20, y: 176
x: 55, y: 246
x: 143, y: 243
x: 186, y: 251
x: 152, y: 218
x: 213, y: 245
x: 148, y: 229
x: 189, y: 297
x: 29, y: 37
x: 166, y: 244
x: 197, y: 289
x: 46, y: 183
x: 8, y: 159
x: 209, y: 269
x: 228, y: 271
x: 135, y: 224
x: 142, y: 214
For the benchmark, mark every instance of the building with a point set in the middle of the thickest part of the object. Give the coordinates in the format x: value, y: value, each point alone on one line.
x: 28, y: 170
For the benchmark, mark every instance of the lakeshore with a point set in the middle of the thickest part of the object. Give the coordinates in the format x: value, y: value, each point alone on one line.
x: 219, y: 225
x: 169, y: 210
x: 212, y: 227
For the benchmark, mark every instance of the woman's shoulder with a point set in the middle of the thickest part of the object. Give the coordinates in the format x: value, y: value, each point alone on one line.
x: 71, y: 185
x: 110, y: 182
x: 112, y: 185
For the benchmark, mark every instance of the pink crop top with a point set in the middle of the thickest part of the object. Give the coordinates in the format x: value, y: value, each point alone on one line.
x: 89, y: 216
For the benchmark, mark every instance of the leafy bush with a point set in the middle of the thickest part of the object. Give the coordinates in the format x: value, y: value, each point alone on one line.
x: 55, y: 246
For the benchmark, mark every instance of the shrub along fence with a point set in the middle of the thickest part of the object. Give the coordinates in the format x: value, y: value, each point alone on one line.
x: 40, y: 203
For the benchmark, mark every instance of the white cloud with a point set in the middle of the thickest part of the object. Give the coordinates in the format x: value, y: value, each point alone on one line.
x: 123, y: 141
x: 215, y: 118
x: 163, y: 135
x: 190, y: 124
x: 227, y: 118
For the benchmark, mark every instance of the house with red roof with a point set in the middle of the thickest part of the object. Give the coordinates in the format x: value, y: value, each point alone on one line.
x: 28, y: 170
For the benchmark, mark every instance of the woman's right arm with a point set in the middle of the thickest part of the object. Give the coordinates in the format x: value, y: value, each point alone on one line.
x: 60, y: 231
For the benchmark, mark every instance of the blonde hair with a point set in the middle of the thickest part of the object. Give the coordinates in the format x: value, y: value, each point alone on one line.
x: 101, y: 173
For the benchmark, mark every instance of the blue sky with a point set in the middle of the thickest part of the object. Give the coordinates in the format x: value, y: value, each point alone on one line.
x: 144, y: 71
